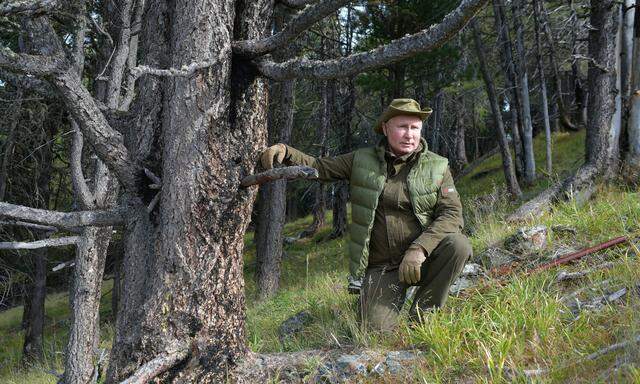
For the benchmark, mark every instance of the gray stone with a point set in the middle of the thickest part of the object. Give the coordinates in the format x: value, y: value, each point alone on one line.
x: 527, y: 240
x: 294, y: 324
x: 397, y: 360
x: 461, y: 284
x: 496, y: 257
x: 349, y: 365
x: 471, y: 269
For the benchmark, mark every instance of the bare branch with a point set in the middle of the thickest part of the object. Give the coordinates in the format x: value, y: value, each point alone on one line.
x: 184, y: 71
x: 30, y: 64
x: 83, y: 194
x: 399, y: 49
x: 298, y: 25
x: 60, y: 266
x: 57, y: 242
x: 65, y: 220
x: 287, y: 173
x: 157, y: 366
x: 27, y: 7
x: 38, y: 227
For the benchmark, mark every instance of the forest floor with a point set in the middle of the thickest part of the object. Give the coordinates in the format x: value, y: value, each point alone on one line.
x: 493, y: 332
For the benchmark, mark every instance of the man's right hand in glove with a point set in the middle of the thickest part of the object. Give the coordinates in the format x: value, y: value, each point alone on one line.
x: 275, y: 152
x: 409, y: 270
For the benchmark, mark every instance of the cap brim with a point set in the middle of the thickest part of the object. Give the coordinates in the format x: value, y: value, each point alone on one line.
x: 393, y: 112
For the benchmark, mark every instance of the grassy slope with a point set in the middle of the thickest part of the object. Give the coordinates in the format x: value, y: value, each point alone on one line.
x: 521, y: 325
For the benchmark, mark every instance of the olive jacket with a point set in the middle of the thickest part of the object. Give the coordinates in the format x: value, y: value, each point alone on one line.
x: 395, y: 226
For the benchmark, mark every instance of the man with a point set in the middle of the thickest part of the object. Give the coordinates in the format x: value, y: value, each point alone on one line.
x: 406, y: 215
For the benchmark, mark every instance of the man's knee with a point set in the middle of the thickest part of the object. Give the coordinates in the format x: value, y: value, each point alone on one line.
x: 458, y: 246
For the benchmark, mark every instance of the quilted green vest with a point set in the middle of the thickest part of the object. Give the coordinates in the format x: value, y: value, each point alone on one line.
x: 368, y: 176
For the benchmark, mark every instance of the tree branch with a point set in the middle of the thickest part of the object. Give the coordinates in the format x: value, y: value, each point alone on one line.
x: 83, y: 194
x: 27, y: 7
x: 399, y: 49
x: 65, y: 220
x: 298, y: 25
x: 157, y: 366
x: 287, y: 173
x: 46, y: 228
x: 30, y: 64
x: 57, y: 242
x: 296, y: 4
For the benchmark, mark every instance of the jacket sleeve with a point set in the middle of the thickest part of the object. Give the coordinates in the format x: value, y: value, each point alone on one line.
x: 329, y: 168
x: 447, y: 216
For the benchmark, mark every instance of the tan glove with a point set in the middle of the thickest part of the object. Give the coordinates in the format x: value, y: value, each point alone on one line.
x: 276, y: 152
x: 410, y: 266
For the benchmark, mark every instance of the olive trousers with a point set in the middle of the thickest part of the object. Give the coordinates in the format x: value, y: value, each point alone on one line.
x: 382, y: 294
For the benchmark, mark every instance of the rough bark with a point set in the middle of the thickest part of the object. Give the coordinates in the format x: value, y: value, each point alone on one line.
x: 272, y: 196
x: 507, y: 162
x: 460, y: 157
x: 195, y: 287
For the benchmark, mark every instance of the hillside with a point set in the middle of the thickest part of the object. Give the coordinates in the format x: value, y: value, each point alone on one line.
x: 490, y: 333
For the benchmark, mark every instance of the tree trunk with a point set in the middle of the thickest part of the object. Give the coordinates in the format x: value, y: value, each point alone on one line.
x: 436, y: 127
x: 460, y: 157
x: 33, y: 347
x: 602, y: 83
x: 341, y: 196
x: 507, y: 163
x: 320, y: 200
x: 504, y: 41
x: 543, y: 87
x: 521, y: 69
x: 212, y: 133
x: 271, y: 204
x: 633, y: 156
x: 12, y: 119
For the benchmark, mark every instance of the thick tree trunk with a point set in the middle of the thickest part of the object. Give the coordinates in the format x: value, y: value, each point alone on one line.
x: 271, y: 204
x: 602, y: 82
x: 543, y: 87
x: 212, y: 134
x: 523, y: 89
x: 459, y: 138
x: 436, y: 127
x: 507, y: 163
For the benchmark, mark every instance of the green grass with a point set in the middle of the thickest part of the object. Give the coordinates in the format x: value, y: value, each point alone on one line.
x: 478, y: 336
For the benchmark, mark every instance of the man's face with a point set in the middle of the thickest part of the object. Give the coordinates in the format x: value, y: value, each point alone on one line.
x: 403, y: 133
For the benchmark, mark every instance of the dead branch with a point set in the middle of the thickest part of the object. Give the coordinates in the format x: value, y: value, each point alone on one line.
x: 80, y: 187
x: 298, y: 25
x: 565, y: 276
x: 27, y: 7
x: 157, y: 366
x: 424, y: 41
x: 65, y: 220
x: 57, y: 242
x: 63, y: 265
x: 581, y: 253
x: 45, y: 228
x: 184, y: 71
x: 613, y: 348
x: 286, y: 173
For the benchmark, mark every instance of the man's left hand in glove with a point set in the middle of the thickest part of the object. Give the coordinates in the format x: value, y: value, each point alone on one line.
x: 411, y: 263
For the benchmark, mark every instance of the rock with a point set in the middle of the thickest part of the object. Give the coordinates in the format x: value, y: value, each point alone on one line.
x: 471, y: 269
x: 396, y: 361
x: 290, y: 239
x: 527, y: 240
x: 294, y: 324
x: 461, y: 284
x: 349, y: 365
x: 495, y: 257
